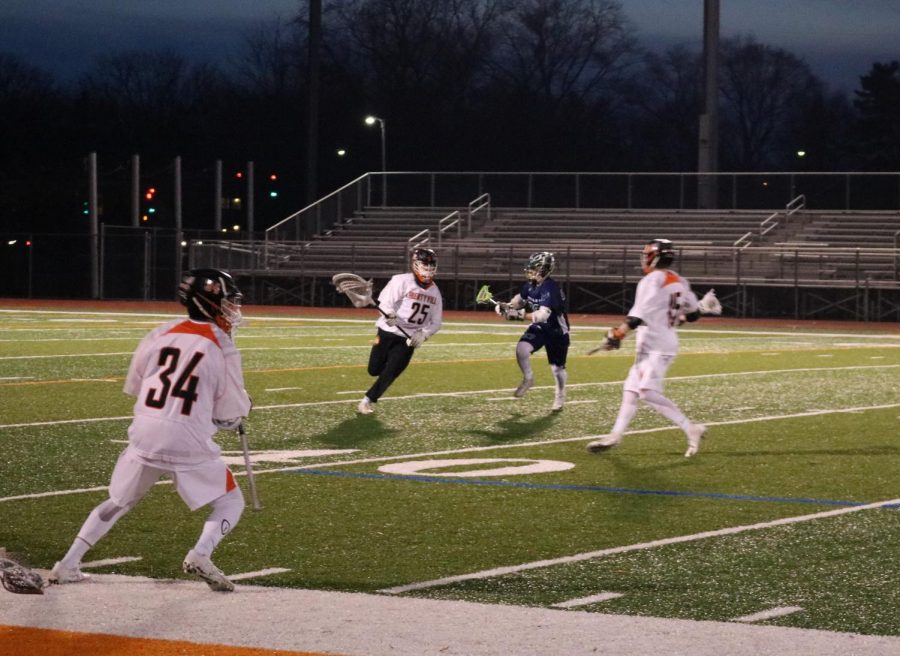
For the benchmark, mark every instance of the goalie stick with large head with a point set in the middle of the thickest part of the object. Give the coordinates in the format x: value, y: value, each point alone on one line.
x: 19, y: 579
x: 359, y: 291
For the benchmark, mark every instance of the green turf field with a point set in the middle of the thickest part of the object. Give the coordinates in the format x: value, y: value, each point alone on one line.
x: 779, y: 509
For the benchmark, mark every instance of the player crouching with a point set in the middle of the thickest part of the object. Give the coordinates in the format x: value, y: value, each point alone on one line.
x: 187, y: 378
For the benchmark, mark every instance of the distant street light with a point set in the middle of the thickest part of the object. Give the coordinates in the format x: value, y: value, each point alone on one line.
x: 372, y: 120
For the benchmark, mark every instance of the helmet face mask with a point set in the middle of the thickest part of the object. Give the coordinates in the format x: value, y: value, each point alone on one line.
x: 211, y: 295
x: 539, y: 266
x: 423, y: 263
x: 657, y: 254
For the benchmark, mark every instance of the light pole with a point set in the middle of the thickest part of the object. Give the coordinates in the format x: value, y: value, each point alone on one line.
x: 372, y: 120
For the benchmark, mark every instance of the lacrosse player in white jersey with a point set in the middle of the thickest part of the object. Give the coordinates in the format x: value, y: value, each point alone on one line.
x: 187, y: 378
x: 413, y: 304
x: 663, y: 300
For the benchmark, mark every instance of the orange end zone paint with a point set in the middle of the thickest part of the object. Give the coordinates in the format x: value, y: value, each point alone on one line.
x: 21, y: 640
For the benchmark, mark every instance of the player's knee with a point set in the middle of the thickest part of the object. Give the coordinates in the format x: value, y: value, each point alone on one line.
x: 231, y: 503
x: 109, y: 510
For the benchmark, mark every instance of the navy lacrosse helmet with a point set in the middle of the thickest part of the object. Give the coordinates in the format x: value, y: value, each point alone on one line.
x: 539, y: 266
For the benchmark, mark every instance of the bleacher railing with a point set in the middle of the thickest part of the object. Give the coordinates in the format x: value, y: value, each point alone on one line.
x: 654, y: 190
x: 765, y: 266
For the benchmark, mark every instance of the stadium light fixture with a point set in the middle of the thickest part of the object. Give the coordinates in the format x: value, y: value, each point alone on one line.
x: 372, y: 120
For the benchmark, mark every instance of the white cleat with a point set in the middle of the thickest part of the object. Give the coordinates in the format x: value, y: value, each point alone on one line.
x: 604, y: 443
x: 524, y: 386
x: 203, y: 567
x: 558, y: 402
x: 694, y: 436
x: 365, y: 407
x: 61, y: 574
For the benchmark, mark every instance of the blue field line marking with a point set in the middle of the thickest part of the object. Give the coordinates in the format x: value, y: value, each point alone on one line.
x: 578, y: 488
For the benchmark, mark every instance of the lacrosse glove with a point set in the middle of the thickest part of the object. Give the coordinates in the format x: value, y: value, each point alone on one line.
x: 416, y: 339
x: 391, y: 319
x: 612, y: 341
x: 513, y: 314
x: 228, y: 424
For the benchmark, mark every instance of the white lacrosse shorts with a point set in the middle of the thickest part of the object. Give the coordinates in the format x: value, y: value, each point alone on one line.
x: 197, y: 485
x: 648, y: 372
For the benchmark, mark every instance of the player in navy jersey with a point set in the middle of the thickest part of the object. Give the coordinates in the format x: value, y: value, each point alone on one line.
x: 541, y: 301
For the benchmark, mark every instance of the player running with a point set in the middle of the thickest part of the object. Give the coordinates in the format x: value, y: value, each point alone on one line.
x: 542, y: 301
x: 187, y: 377
x: 413, y: 303
x: 663, y: 300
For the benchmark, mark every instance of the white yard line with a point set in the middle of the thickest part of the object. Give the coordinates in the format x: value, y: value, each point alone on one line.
x: 110, y: 561
x: 778, y: 611
x: 451, y: 324
x: 62, y: 355
x: 585, y: 601
x: 258, y: 573
x: 513, y: 569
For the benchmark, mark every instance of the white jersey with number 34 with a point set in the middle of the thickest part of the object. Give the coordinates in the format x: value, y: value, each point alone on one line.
x: 662, y: 296
x: 184, y: 373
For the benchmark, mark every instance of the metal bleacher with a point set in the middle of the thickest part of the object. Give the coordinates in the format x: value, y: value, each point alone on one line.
x: 838, y: 258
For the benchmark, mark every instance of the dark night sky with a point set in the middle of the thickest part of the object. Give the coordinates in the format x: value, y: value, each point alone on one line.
x: 840, y: 39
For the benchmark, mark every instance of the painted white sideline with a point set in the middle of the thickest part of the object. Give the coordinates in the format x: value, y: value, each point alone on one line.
x: 778, y: 611
x: 513, y: 569
x: 585, y: 601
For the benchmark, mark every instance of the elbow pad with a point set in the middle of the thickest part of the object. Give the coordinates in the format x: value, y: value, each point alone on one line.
x: 633, y: 322
x: 540, y: 315
x: 692, y: 316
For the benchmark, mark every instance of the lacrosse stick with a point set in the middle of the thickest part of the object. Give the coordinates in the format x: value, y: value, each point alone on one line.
x: 484, y: 296
x: 248, y: 466
x: 710, y: 304
x: 359, y: 291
